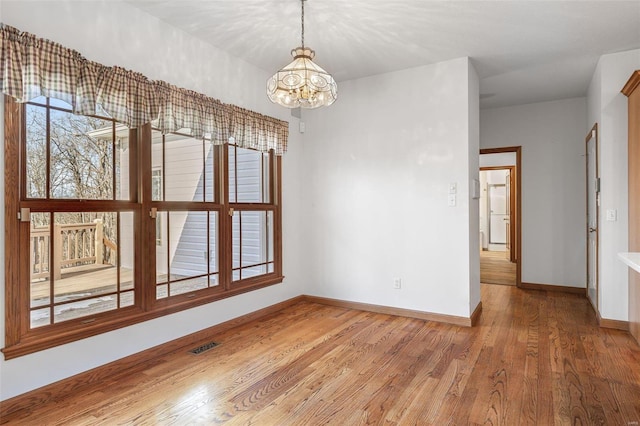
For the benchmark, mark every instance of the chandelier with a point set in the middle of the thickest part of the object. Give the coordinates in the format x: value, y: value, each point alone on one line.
x: 302, y: 83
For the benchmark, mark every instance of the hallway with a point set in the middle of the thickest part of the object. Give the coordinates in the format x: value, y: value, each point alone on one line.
x: 495, y: 268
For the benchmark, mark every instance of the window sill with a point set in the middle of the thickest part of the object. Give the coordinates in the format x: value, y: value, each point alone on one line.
x: 44, y: 339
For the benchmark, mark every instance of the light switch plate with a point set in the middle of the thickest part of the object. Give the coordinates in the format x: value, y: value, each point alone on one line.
x: 475, y: 189
x: 612, y: 215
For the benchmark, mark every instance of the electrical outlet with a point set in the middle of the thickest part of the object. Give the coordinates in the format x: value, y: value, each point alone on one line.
x: 397, y: 283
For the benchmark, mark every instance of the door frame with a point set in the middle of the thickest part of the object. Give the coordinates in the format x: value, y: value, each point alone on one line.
x: 516, y: 203
x: 593, y: 134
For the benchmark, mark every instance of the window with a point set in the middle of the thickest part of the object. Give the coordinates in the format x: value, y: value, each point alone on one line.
x: 119, y: 226
x: 79, y: 263
x: 156, y: 194
x: 253, y: 215
x: 187, y: 258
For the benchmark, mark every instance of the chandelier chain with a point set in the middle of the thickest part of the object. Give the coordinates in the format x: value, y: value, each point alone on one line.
x: 302, y: 1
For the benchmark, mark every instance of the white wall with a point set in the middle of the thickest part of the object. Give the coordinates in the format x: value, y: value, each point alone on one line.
x: 553, y: 190
x: 473, y: 97
x: 608, y: 107
x: 378, y: 166
x: 498, y: 159
x: 159, y: 52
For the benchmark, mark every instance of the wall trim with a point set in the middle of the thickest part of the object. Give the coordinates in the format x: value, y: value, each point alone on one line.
x: 614, y: 324
x: 559, y: 288
x: 124, y: 366
x: 602, y: 322
x: 401, y: 312
x: 475, y: 316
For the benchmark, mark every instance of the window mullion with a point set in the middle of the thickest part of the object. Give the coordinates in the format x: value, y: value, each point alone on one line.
x: 48, y: 154
x: 145, y: 255
x: 225, y: 221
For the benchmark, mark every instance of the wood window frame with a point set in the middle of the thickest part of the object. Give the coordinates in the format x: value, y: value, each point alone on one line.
x: 20, y: 339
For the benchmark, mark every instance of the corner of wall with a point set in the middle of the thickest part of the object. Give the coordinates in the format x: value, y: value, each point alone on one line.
x: 474, y: 170
x: 608, y: 107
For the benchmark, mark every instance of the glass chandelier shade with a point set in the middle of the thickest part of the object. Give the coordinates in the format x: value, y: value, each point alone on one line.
x: 302, y: 83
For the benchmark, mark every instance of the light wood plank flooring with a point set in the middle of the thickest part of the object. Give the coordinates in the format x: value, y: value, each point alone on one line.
x: 495, y: 268
x: 535, y: 358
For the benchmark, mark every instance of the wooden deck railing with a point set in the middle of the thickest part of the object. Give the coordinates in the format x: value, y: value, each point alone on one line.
x: 75, y: 244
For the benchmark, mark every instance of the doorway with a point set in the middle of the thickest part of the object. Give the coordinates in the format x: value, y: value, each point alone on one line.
x: 498, y: 214
x: 500, y: 231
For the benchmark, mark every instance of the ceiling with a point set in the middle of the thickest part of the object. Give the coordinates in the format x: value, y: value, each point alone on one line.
x: 523, y: 51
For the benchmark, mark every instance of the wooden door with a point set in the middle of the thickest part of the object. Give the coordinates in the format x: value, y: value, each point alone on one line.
x: 593, y: 193
x: 632, y: 90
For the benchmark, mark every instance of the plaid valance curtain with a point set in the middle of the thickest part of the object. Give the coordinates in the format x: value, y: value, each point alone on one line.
x: 32, y: 67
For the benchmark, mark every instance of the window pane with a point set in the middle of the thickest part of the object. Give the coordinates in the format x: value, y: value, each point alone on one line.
x: 127, y: 248
x: 181, y: 160
x: 67, y: 311
x: 122, y: 166
x: 162, y: 291
x: 188, y: 286
x: 39, y: 100
x: 213, y: 242
x: 39, y: 250
x: 81, y: 162
x: 82, y: 264
x: 254, y: 271
x: 81, y: 155
x: 235, y: 239
x: 214, y: 280
x: 126, y: 299
x: 232, y: 173
x: 254, y: 238
x: 36, y: 152
x: 187, y: 244
x: 186, y: 255
x: 156, y: 184
x: 270, y: 231
x: 79, y: 264
x: 59, y: 103
x: 40, y: 317
x: 248, y: 176
x: 162, y: 248
x: 157, y: 163
x: 210, y: 176
x: 252, y: 243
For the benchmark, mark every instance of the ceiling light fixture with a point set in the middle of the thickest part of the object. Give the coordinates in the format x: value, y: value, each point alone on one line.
x: 302, y: 83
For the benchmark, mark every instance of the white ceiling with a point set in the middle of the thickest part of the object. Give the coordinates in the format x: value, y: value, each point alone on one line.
x: 523, y: 51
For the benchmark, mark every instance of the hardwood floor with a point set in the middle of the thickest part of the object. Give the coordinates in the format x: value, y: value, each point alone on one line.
x: 535, y: 358
x: 495, y: 268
